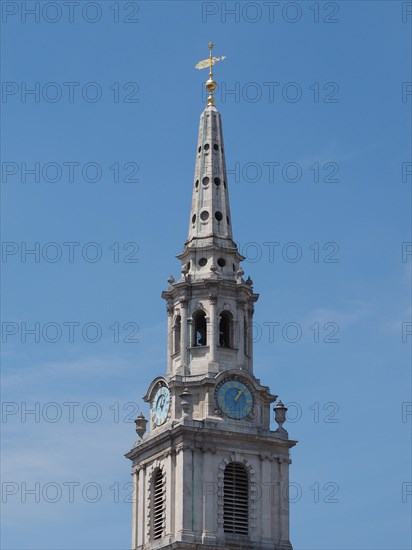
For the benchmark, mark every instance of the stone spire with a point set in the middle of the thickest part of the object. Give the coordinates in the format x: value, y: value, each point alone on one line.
x: 210, y: 249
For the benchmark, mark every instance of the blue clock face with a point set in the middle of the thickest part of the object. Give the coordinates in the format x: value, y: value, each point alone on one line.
x: 161, y: 405
x: 235, y: 399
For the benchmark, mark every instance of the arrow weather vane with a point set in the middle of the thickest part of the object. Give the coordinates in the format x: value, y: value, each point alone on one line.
x: 209, y: 62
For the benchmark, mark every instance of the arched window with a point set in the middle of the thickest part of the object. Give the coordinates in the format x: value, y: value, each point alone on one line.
x: 236, y: 499
x: 158, y: 504
x: 177, y: 330
x: 199, y: 328
x: 226, y: 330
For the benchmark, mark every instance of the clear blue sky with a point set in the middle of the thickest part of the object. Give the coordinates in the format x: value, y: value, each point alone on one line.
x: 319, y: 103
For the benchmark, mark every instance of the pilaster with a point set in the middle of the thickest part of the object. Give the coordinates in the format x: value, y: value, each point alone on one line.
x: 184, y: 493
x: 209, y: 495
x: 135, y: 524
x: 141, y: 511
x: 170, y: 350
x: 184, y: 335
x: 284, y: 503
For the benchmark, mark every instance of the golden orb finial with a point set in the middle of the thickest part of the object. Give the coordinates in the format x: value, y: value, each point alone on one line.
x: 210, y: 83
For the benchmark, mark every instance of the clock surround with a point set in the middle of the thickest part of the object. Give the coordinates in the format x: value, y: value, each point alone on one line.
x: 161, y: 405
x: 234, y: 398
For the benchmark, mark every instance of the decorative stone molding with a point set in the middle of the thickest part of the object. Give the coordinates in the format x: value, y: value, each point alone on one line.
x: 183, y: 447
x: 265, y: 456
x: 198, y: 306
x: 168, y: 453
x: 253, y: 494
x: 208, y: 449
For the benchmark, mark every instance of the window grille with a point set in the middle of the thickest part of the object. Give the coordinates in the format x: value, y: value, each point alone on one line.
x: 236, y: 499
x: 158, y: 504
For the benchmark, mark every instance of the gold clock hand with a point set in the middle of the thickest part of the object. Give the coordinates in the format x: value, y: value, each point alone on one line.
x: 238, y: 395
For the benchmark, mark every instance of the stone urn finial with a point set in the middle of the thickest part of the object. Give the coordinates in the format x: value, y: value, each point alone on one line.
x: 280, y: 418
x: 185, y: 272
x: 239, y: 275
x: 141, y: 424
x: 186, y: 402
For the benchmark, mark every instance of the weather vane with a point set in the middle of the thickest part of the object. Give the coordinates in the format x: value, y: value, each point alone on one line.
x: 209, y: 62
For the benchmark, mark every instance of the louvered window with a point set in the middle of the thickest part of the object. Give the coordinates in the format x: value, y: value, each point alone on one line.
x: 236, y: 499
x: 158, y: 504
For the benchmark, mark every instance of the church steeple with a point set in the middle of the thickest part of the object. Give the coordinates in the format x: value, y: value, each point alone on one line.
x: 201, y: 470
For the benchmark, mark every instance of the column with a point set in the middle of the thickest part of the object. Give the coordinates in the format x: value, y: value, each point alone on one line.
x: 209, y: 496
x: 266, y: 496
x: 279, y: 493
x: 239, y: 334
x: 135, y: 525
x: 141, y: 508
x: 249, y: 335
x: 212, y: 328
x: 169, y: 338
x: 184, y: 492
x: 183, y: 333
x: 170, y: 490
x: 284, y: 508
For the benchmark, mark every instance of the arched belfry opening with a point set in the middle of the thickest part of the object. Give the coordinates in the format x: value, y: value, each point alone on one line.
x: 236, y: 499
x: 199, y: 328
x: 226, y: 330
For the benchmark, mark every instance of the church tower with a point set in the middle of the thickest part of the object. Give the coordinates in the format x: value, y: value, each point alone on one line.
x: 209, y: 472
